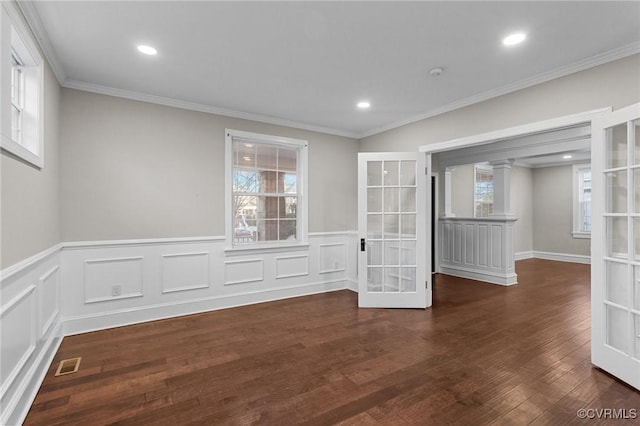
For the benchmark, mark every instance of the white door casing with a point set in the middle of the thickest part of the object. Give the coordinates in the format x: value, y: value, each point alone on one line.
x: 393, y: 217
x: 615, y: 237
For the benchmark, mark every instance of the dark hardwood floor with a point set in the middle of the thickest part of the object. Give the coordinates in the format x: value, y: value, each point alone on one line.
x: 484, y: 354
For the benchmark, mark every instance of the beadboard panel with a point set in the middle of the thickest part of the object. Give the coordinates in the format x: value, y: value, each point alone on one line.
x: 479, y: 249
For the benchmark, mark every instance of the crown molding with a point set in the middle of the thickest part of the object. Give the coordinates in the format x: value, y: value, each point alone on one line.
x: 594, y: 61
x: 35, y: 25
x: 33, y: 21
x: 160, y: 100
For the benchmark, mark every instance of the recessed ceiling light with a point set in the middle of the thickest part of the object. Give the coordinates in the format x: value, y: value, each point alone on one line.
x: 246, y: 158
x: 514, y: 39
x: 363, y: 104
x: 147, y: 50
x: 567, y: 157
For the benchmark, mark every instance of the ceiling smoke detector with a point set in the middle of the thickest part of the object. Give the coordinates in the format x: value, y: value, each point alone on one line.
x: 435, y: 72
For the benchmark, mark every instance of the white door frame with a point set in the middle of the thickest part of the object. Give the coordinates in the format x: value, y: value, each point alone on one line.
x: 518, y: 131
x: 584, y: 118
x: 369, y: 295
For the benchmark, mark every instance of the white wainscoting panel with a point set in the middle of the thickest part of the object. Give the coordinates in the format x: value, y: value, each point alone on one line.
x: 18, y: 318
x: 183, y: 276
x: 68, y: 290
x: 102, y: 275
x: 30, y: 330
x: 292, y: 266
x: 185, y: 271
x: 332, y: 257
x: 479, y: 249
x: 243, y: 271
x: 49, y: 285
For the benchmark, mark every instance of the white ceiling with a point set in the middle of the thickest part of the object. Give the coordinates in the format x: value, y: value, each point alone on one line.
x: 306, y: 64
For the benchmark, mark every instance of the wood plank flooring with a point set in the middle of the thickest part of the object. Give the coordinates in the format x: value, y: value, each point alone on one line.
x: 484, y: 354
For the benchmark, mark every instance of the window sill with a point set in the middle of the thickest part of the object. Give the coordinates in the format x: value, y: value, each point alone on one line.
x: 581, y: 235
x: 267, y: 248
x: 12, y: 147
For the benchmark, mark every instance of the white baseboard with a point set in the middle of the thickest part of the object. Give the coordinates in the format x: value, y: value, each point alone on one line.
x: 562, y: 257
x: 505, y: 280
x: 158, y: 278
x: 137, y: 315
x: 15, y: 412
x: 522, y: 255
x: 352, y: 285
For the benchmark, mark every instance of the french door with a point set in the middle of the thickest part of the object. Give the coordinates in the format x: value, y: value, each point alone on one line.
x: 393, y: 214
x: 615, y: 266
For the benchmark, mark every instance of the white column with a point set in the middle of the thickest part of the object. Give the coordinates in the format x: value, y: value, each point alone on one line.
x: 447, y: 193
x: 502, y: 189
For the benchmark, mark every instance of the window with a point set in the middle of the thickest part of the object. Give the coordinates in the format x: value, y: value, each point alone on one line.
x: 582, y: 201
x: 483, y: 190
x: 22, y: 101
x: 17, y: 97
x: 266, y: 192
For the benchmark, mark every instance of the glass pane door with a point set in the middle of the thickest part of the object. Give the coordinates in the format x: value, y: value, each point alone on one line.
x: 616, y: 245
x: 389, y: 188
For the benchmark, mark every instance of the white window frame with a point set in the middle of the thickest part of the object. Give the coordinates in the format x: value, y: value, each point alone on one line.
x: 16, y: 39
x: 302, y: 182
x: 578, y: 169
x: 484, y: 167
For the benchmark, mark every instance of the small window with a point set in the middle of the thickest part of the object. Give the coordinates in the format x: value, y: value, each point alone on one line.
x: 267, y: 196
x: 483, y: 190
x: 582, y: 201
x: 17, y: 97
x: 23, y: 103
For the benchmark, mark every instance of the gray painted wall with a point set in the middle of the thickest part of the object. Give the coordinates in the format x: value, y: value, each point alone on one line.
x: 553, y: 212
x: 29, y: 212
x: 138, y: 170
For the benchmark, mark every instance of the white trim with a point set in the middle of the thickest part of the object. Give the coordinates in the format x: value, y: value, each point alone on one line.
x: 581, y: 235
x: 333, y: 234
x: 474, y: 274
x: 562, y: 257
x: 42, y: 38
x: 22, y: 39
x: 594, y: 61
x: 4, y: 309
x: 517, y: 131
x: 93, y: 322
x: 136, y: 242
x: 28, y: 263
x: 302, y: 173
x: 522, y: 255
x: 16, y: 410
x: 296, y: 274
x: 193, y: 106
x: 41, y: 282
x: 577, y: 170
x: 267, y: 248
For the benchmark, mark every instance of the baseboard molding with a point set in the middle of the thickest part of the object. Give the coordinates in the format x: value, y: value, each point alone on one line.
x: 15, y: 412
x: 499, y: 279
x: 31, y: 280
x: 522, y: 255
x: 352, y: 285
x: 562, y: 257
x: 137, y: 315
